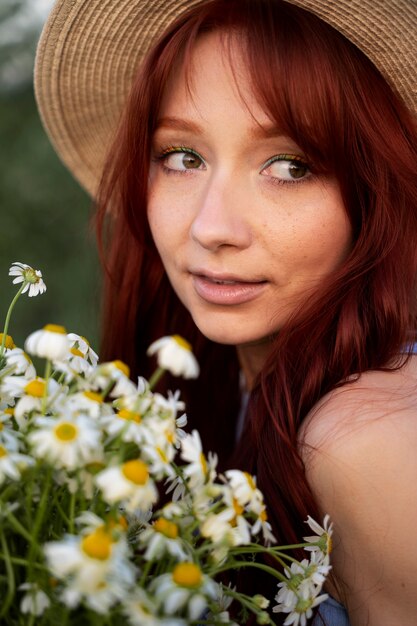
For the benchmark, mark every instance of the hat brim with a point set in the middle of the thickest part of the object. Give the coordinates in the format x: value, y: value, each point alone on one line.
x: 90, y: 50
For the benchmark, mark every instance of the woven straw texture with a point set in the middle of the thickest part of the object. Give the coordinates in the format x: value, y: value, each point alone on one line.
x: 89, y: 51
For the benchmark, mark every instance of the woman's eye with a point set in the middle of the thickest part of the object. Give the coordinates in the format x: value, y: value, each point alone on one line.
x: 182, y: 160
x: 286, y: 168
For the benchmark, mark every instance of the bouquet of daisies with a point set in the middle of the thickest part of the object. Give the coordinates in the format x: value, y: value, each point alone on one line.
x: 84, y: 454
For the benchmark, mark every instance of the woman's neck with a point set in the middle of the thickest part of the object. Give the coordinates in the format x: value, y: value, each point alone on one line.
x: 252, y: 357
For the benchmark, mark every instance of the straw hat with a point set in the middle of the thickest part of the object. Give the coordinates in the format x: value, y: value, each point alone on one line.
x: 89, y: 50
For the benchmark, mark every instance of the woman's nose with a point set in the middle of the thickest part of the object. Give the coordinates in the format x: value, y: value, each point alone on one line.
x: 221, y: 216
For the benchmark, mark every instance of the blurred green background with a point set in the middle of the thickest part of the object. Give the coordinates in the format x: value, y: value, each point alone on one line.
x: 44, y: 214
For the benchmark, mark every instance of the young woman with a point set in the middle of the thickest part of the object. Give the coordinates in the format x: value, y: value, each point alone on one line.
x: 260, y: 199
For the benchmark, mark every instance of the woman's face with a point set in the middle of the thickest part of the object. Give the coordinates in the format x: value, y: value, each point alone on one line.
x: 246, y: 233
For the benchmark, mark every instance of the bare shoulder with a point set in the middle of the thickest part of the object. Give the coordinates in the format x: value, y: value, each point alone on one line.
x: 359, y: 446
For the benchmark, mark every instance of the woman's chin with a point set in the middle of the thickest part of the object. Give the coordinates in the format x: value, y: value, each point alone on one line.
x: 233, y: 334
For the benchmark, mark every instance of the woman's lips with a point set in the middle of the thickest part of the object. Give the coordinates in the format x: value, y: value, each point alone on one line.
x: 226, y: 291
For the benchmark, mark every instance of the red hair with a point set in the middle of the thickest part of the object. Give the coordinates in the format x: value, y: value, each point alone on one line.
x: 328, y: 97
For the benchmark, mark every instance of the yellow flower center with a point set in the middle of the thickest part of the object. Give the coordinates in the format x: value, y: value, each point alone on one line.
x: 182, y: 342
x: 329, y: 544
x: 263, y: 516
x: 10, y: 344
x: 76, y: 352
x: 187, y: 575
x: 3, y: 452
x: 122, y: 367
x: 124, y: 414
x: 9, y: 411
x: 123, y: 522
x: 250, y: 480
x: 35, y: 388
x: 1, y: 427
x: 166, y: 528
x: 203, y: 463
x: 97, y: 544
x: 325, y: 543
x: 170, y: 437
x: 30, y: 276
x: 55, y: 328
x: 237, y: 507
x: 92, y: 395
x: 136, y: 471
x: 66, y: 432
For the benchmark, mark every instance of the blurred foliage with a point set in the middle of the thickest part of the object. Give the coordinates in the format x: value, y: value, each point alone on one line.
x: 20, y: 25
x: 44, y: 222
x: 44, y: 213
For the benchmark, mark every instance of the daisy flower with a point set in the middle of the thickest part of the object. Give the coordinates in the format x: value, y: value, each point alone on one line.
x: 322, y: 537
x: 50, y: 342
x: 89, y: 522
x: 94, y: 567
x: 262, y: 524
x: 114, y: 376
x: 163, y: 431
x: 224, y: 530
x: 82, y: 345
x: 245, y: 490
x: 12, y: 463
x: 20, y: 362
x: 198, y: 469
x: 90, y: 403
x: 67, y: 442
x: 160, y: 460
x: 305, y: 575
x: 30, y: 394
x: 35, y: 601
x: 8, y: 436
x: 169, y: 407
x: 162, y: 538
x: 9, y: 344
x: 31, y: 278
x: 129, y: 484
x: 186, y: 588
x: 174, y: 354
x: 299, y: 606
x: 141, y: 610
x: 126, y: 424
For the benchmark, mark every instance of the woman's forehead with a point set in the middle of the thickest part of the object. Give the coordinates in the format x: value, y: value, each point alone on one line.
x: 214, y: 75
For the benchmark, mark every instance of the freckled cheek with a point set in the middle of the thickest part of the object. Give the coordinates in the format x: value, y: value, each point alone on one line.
x: 315, y: 246
x: 327, y: 243
x: 167, y: 227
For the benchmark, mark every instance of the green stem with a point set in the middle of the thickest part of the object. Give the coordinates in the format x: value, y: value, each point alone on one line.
x: 40, y: 514
x: 21, y: 530
x: 11, y: 585
x: 48, y: 367
x: 247, y: 601
x: 156, y: 377
x: 265, y: 568
x: 8, y: 371
x: 72, y: 513
x: 9, y: 312
x: 61, y: 511
x: 18, y: 561
x: 31, y: 619
x: 107, y: 389
x: 145, y: 573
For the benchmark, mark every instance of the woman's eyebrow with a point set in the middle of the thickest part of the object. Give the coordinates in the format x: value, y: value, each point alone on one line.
x: 177, y: 123
x: 258, y: 131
